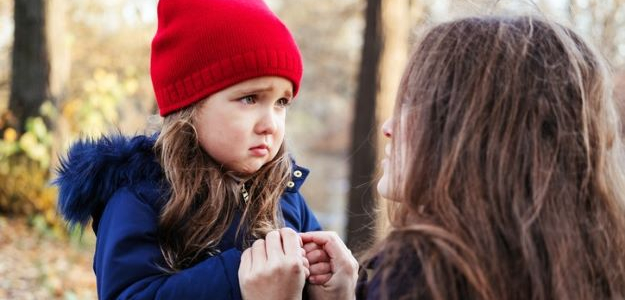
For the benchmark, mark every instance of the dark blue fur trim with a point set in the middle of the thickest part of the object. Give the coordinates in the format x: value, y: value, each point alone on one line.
x: 94, y: 170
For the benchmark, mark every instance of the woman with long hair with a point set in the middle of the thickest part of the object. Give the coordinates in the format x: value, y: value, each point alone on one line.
x: 505, y: 170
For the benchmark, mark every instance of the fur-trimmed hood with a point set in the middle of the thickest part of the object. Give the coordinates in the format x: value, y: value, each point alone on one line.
x: 94, y: 170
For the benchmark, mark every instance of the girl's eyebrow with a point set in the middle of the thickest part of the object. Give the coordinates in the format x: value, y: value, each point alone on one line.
x: 253, y: 90
x: 288, y: 94
x: 256, y: 90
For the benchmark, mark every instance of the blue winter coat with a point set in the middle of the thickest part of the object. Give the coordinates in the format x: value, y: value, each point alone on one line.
x: 117, y: 181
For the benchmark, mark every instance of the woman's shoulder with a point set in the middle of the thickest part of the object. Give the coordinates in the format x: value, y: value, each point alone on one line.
x: 395, y: 271
x: 94, y: 170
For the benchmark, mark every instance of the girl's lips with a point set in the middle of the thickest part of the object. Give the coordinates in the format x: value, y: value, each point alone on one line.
x: 259, y: 150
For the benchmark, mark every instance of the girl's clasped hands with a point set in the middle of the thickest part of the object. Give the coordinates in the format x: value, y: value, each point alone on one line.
x: 291, y: 259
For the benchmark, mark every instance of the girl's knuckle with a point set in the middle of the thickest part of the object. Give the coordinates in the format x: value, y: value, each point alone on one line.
x: 286, y: 231
x: 273, y: 233
x: 258, y: 243
x: 295, y: 268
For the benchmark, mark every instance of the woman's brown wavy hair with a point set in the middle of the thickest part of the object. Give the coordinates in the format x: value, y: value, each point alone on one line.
x: 204, y: 198
x: 509, y: 168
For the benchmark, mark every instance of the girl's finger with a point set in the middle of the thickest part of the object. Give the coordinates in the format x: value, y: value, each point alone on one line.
x: 306, y: 262
x: 306, y: 273
x: 311, y: 246
x: 259, y: 254
x: 328, y: 240
x: 316, y: 256
x: 273, y: 246
x: 291, y: 242
x: 246, y: 261
x: 320, y: 268
x: 319, y: 279
x: 303, y: 252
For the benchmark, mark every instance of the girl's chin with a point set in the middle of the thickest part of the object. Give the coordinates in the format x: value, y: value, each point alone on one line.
x: 244, y: 171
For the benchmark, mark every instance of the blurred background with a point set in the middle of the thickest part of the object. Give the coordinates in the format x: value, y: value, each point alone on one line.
x: 80, y: 68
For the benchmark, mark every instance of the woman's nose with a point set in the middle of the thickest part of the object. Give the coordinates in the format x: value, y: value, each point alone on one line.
x: 387, y: 128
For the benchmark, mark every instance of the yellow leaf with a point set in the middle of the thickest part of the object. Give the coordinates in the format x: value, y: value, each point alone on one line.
x: 27, y: 141
x: 70, y: 108
x: 10, y: 135
x: 131, y: 86
x: 39, y: 127
x: 99, y: 74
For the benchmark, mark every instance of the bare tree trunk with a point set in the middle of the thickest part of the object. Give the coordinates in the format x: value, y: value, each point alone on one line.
x: 60, y: 65
x: 29, y: 77
x: 58, y: 49
x: 360, y: 224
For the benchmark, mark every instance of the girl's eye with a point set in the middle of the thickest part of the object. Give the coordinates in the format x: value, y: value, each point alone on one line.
x: 283, y: 102
x: 248, y: 99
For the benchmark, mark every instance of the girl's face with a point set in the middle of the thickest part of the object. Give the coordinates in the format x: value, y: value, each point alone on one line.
x: 383, y: 183
x: 242, y: 126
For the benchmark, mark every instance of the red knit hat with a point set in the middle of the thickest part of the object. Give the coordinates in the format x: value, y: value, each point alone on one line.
x: 204, y: 46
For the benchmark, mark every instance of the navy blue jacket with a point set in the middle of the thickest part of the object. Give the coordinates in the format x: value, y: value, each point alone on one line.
x: 117, y: 181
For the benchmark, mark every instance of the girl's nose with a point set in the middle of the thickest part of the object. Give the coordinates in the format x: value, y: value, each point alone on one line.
x: 387, y: 128
x: 267, y: 123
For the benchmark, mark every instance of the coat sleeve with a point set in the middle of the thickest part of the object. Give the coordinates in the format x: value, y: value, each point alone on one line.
x: 128, y: 261
x: 297, y: 214
x: 309, y: 221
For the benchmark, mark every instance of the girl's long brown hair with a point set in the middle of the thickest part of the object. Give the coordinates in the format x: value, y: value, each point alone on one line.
x: 204, y: 198
x: 509, y: 168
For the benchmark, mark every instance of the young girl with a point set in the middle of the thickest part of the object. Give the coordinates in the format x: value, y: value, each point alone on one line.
x: 506, y: 169
x: 173, y: 212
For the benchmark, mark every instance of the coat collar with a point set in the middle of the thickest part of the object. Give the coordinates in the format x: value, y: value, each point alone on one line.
x: 93, y: 170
